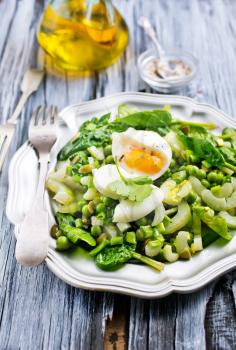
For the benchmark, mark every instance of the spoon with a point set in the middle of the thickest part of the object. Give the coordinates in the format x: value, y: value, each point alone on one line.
x: 149, y: 30
x: 165, y: 69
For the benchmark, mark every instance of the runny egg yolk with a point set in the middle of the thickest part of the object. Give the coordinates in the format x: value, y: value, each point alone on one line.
x: 143, y: 160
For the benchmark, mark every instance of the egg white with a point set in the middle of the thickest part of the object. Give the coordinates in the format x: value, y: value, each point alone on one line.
x: 150, y: 140
x: 104, y: 176
x: 127, y: 211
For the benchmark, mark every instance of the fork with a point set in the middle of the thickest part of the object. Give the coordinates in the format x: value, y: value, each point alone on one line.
x: 30, y: 83
x: 33, y: 238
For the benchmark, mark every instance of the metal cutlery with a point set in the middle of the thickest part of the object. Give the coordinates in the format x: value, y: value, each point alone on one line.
x: 30, y: 83
x: 33, y: 238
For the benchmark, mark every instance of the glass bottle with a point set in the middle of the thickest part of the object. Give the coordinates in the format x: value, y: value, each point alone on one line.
x: 82, y: 35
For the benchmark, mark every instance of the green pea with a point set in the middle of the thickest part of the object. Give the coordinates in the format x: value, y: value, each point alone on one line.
x: 212, y: 177
x: 205, y: 164
x: 109, y: 159
x: 215, y: 177
x: 107, y: 201
x: 172, y: 163
x: 80, y: 204
x: 100, y: 208
x: 192, y: 170
x: 85, y: 211
x: 55, y: 232
x: 205, y: 183
x: 201, y: 174
x: 216, y: 190
x: 96, y: 230
x: 101, y: 215
x: 63, y: 243
x: 107, y: 150
x: 220, y: 178
x: 179, y: 176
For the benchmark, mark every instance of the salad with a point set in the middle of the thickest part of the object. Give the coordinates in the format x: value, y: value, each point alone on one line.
x: 143, y: 187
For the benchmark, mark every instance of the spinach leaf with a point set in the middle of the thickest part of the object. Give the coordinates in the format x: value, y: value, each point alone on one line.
x: 147, y: 120
x: 88, y: 138
x: 216, y: 223
x: 206, y: 150
x: 112, y: 258
x: 229, y: 154
x: 208, y: 236
x: 64, y: 220
x: 202, y: 144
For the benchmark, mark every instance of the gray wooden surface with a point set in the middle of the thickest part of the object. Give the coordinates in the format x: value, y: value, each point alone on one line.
x: 37, y: 310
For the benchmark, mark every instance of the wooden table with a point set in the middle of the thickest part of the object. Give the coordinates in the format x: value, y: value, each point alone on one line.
x: 39, y: 311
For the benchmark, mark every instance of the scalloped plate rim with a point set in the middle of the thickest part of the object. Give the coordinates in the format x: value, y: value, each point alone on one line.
x: 55, y: 262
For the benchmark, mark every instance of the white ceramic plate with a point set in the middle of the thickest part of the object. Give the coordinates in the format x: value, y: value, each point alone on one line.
x: 138, y: 280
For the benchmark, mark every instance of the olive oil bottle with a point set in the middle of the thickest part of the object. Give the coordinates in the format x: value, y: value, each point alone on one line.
x: 82, y: 35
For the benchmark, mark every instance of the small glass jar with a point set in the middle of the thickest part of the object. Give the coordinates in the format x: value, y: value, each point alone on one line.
x: 167, y: 85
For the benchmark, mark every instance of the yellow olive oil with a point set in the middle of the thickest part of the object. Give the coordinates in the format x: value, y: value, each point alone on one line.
x: 79, y: 37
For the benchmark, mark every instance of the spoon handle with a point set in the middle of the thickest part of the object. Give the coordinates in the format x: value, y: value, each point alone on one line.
x: 19, y: 107
x: 32, y: 242
x: 149, y: 30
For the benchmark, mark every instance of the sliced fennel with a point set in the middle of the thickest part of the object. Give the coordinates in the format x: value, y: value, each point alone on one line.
x: 181, y: 219
x: 173, y: 193
x: 230, y: 219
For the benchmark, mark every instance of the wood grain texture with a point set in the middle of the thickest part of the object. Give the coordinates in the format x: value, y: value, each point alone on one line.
x: 37, y: 310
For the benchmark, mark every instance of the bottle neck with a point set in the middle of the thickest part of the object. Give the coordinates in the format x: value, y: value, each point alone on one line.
x: 108, y: 6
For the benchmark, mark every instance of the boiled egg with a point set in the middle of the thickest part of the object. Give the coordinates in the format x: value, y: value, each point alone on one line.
x: 104, y: 176
x: 141, y: 152
x: 127, y: 211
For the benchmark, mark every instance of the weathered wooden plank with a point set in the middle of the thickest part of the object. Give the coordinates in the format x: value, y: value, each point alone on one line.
x: 201, y: 27
x: 57, y: 316
x: 116, y: 328
x: 221, y: 316
x: 138, y: 326
x: 162, y: 323
x: 54, y: 315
